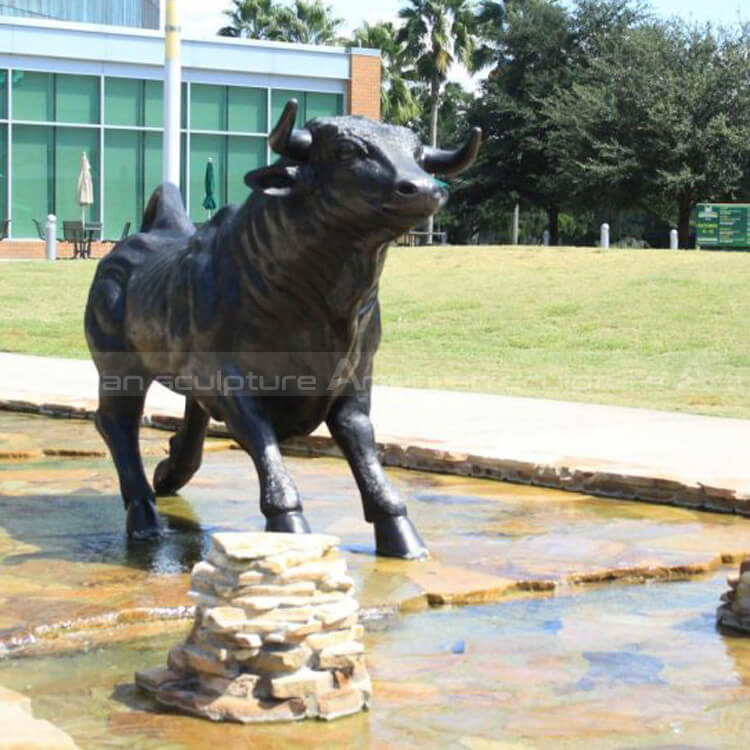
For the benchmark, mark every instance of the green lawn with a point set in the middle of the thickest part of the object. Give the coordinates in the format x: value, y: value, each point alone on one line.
x: 639, y: 327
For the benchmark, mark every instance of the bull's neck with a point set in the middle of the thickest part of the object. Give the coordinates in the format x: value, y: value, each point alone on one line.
x: 308, y: 254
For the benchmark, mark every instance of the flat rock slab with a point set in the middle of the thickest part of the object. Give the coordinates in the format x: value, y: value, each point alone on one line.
x: 19, y: 730
x: 444, y: 584
x: 256, y: 546
x: 66, y: 568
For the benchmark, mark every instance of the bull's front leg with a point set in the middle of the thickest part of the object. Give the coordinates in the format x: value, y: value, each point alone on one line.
x: 351, y: 428
x: 279, y: 499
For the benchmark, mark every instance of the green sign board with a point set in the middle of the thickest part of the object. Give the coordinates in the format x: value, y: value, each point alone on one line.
x: 723, y: 225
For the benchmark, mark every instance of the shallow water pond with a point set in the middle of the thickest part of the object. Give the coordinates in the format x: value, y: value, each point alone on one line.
x: 611, y: 665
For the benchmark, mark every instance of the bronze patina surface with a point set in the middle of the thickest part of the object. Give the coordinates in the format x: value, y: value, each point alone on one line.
x: 267, y: 317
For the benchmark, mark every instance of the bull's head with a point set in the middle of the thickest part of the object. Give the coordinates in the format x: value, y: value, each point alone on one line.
x: 366, y: 171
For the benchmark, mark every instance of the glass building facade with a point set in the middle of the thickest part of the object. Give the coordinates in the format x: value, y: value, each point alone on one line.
x: 47, y: 119
x: 142, y: 14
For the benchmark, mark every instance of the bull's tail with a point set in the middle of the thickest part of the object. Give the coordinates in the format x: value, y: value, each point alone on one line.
x: 166, y: 212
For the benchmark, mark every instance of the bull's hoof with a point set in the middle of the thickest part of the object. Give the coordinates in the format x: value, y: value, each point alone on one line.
x: 165, y: 480
x: 143, y: 520
x: 395, y: 536
x: 293, y: 523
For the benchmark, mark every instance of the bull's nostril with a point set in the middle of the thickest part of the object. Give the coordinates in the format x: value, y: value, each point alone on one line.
x: 407, y: 188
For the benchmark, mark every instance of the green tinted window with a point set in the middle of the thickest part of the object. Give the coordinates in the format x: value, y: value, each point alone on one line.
x: 77, y: 99
x: 201, y: 148
x: 246, y: 110
x: 123, y: 180
x: 208, y: 107
x: 152, y: 164
x: 183, y: 168
x: 243, y: 154
x: 280, y: 97
x: 4, y: 172
x: 3, y: 94
x: 33, y: 96
x: 69, y: 146
x: 154, y: 104
x: 123, y: 101
x: 33, y: 194
x: 322, y: 105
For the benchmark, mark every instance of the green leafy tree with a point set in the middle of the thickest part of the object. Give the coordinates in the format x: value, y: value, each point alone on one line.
x: 660, y: 118
x: 534, y: 50
x: 436, y: 34
x: 457, y: 218
x: 597, y: 23
x: 310, y: 23
x: 398, y: 103
x: 453, y: 116
x: 489, y: 21
x: 254, y: 19
x: 305, y: 22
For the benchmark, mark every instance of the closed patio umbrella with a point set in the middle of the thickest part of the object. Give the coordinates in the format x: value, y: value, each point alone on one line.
x: 84, y: 188
x: 209, y: 203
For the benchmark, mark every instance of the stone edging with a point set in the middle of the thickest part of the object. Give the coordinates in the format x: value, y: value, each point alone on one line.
x: 586, y: 480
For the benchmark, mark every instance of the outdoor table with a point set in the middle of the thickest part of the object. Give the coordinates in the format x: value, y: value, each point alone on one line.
x: 81, y: 236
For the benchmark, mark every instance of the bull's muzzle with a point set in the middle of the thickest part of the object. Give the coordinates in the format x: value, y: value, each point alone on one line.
x: 417, y: 196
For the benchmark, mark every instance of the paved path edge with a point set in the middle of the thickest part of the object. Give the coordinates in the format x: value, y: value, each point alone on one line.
x: 647, y: 487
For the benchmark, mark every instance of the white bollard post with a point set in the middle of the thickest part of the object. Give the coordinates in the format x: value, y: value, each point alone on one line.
x: 516, y: 223
x: 674, y: 240
x: 51, y: 237
x: 604, y: 240
x: 545, y: 237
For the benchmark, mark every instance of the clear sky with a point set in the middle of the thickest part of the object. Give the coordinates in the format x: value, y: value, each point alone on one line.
x: 204, y: 17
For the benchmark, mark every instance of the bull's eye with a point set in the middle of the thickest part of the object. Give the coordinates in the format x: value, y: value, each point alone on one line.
x: 347, y: 151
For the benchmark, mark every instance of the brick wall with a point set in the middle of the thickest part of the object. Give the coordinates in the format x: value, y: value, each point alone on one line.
x: 364, y: 86
x: 37, y: 250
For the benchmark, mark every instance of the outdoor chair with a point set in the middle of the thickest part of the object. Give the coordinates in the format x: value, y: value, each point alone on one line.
x: 41, y: 232
x: 4, y: 232
x: 125, y: 231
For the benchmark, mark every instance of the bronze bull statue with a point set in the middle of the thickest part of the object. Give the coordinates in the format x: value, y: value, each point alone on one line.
x: 267, y: 317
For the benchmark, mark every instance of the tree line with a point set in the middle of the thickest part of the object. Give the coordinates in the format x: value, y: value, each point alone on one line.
x: 590, y: 110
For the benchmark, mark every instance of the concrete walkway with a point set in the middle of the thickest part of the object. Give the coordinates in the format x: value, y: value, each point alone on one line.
x: 651, y: 455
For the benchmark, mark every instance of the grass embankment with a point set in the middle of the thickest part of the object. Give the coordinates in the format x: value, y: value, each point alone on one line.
x: 643, y: 328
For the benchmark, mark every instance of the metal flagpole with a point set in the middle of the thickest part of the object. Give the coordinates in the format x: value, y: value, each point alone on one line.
x: 172, y: 94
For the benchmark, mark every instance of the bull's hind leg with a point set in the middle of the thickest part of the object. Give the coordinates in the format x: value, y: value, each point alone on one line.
x: 118, y: 420
x: 185, y: 451
x: 351, y: 428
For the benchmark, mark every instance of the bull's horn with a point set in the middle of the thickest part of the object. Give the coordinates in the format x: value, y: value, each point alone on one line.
x: 451, y: 162
x: 285, y: 139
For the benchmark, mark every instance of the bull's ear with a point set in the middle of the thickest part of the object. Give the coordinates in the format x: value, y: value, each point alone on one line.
x: 278, y: 179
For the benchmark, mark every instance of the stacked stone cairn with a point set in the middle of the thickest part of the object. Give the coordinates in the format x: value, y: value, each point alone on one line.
x: 275, y: 638
x: 734, y: 611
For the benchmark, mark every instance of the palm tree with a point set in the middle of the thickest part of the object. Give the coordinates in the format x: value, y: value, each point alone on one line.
x: 398, y: 104
x: 437, y: 33
x: 310, y: 23
x: 254, y: 19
